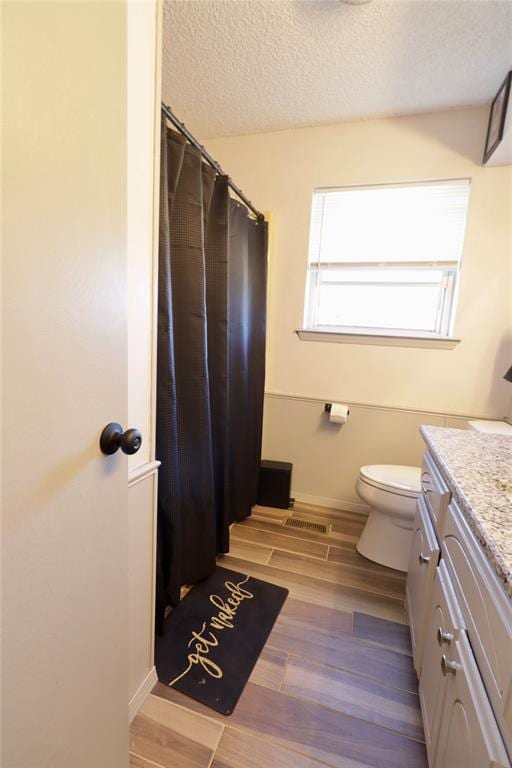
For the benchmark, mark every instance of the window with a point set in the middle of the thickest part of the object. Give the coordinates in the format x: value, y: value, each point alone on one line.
x: 385, y: 260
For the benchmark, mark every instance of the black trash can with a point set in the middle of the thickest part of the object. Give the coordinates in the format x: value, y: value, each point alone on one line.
x: 275, y: 484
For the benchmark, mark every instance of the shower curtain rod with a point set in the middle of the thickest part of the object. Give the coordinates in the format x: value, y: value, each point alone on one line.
x: 209, y: 159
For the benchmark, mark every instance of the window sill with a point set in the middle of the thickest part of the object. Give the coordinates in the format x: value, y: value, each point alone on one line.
x: 378, y: 339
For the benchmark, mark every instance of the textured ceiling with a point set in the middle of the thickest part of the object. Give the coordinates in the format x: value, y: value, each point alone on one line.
x: 247, y: 66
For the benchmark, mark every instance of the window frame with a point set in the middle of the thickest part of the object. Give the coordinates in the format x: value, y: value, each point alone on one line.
x: 447, y: 301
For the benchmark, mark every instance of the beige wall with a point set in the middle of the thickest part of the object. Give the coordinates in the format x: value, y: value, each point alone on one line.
x: 144, y: 48
x: 279, y: 172
x: 141, y: 107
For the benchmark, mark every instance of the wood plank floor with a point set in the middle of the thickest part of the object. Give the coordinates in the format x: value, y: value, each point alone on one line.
x: 334, y: 686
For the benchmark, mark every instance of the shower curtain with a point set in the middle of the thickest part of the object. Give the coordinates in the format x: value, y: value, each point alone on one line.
x: 210, y: 368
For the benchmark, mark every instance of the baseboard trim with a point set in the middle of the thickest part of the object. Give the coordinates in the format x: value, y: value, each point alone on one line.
x: 142, y: 693
x: 325, y: 501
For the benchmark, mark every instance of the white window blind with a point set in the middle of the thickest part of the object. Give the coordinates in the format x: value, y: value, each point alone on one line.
x: 386, y: 258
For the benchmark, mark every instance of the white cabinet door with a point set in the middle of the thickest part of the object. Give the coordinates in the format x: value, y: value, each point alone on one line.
x: 486, y: 607
x: 422, y: 567
x: 443, y: 627
x: 435, y: 491
x: 468, y: 735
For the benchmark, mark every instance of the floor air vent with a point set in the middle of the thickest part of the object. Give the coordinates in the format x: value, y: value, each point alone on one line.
x: 293, y: 522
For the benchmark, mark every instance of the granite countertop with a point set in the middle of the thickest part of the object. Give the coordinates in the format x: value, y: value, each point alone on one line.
x: 478, y: 470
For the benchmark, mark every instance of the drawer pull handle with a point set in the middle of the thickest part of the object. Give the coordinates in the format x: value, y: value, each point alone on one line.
x: 444, y: 637
x: 423, y: 559
x: 426, y: 483
x: 448, y: 666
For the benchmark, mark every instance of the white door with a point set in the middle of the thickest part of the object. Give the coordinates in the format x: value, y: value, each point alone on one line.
x: 64, y: 542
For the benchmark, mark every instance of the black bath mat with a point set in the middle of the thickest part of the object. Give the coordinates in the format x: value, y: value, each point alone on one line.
x: 214, y: 636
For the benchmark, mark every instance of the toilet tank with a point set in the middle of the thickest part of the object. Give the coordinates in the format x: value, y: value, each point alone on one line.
x: 491, y: 427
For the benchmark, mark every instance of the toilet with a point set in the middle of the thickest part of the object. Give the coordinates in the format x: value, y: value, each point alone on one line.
x: 391, y: 491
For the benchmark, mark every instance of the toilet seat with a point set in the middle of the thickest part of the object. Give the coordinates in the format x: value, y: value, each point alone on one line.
x: 397, y: 479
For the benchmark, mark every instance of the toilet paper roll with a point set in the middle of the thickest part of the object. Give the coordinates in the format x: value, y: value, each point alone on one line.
x: 339, y: 413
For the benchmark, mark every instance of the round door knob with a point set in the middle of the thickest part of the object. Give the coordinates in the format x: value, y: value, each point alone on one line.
x: 423, y: 559
x: 448, y: 666
x: 112, y: 438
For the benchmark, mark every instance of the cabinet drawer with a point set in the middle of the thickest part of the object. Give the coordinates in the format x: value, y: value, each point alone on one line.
x: 424, y: 557
x: 444, y: 625
x: 435, y: 492
x: 468, y: 733
x: 487, y: 612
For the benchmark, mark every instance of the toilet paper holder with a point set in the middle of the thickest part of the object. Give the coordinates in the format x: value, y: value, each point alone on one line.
x: 328, y: 406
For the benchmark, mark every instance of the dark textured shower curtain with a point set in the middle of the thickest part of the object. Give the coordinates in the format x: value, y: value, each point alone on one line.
x: 211, y: 366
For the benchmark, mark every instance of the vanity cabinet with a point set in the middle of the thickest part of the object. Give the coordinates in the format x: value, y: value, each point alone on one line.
x: 461, y: 631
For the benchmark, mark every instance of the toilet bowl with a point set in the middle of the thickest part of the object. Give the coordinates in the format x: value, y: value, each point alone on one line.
x: 391, y: 492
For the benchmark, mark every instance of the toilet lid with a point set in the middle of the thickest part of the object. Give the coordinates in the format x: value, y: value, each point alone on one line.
x: 405, y: 481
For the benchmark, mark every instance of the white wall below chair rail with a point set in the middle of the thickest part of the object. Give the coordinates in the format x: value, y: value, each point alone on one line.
x: 143, y: 691
x: 142, y: 496
x: 326, y: 457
